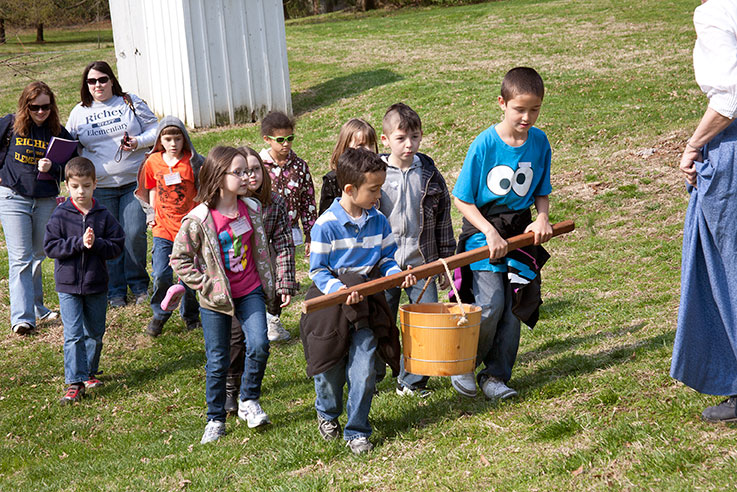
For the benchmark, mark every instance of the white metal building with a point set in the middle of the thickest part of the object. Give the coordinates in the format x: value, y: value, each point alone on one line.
x: 208, y: 62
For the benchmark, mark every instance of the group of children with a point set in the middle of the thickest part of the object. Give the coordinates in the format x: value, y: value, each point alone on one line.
x: 227, y: 225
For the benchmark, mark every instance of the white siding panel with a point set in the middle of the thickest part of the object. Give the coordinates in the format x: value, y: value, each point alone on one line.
x: 208, y: 62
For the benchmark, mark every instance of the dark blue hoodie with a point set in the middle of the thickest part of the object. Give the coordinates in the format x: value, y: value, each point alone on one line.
x: 79, y: 270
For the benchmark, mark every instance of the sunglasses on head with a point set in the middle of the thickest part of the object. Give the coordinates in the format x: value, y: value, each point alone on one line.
x: 102, y: 80
x: 39, y: 107
x: 288, y: 138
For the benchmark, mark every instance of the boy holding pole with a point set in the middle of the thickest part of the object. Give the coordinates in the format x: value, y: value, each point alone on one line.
x: 350, y: 242
x: 506, y: 170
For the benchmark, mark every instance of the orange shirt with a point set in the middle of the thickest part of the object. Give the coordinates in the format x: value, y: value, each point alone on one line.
x: 172, y: 201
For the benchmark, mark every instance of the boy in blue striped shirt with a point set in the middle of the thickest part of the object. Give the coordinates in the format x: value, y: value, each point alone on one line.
x: 350, y: 241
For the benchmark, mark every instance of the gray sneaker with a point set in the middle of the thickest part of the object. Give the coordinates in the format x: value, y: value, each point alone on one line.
x: 276, y: 332
x: 726, y: 411
x: 252, y: 413
x: 329, y: 429
x: 214, y: 430
x: 495, y: 389
x: 465, y: 384
x: 142, y: 299
x: 360, y: 445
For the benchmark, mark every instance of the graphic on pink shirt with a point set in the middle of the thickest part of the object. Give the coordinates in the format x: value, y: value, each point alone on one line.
x: 234, y: 236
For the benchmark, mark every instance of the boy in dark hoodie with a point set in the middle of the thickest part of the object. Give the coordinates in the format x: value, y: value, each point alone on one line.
x: 167, y: 186
x: 82, y: 235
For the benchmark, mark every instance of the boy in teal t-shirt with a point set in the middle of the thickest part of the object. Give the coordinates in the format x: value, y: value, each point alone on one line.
x: 506, y: 170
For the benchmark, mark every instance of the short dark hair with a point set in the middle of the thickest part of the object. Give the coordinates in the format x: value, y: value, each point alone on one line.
x: 100, y: 66
x: 400, y: 116
x: 275, y: 120
x: 79, y: 167
x: 522, y: 80
x: 353, y: 165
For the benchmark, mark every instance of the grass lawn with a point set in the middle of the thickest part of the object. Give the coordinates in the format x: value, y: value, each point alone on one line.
x: 597, y: 409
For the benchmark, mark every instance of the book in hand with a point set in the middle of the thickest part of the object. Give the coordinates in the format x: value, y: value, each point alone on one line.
x: 59, y: 151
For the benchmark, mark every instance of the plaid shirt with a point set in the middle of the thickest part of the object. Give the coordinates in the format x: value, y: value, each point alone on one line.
x: 281, y: 246
x: 436, y: 228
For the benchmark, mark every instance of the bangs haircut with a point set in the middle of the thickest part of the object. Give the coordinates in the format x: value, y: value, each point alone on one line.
x: 348, y: 131
x: 80, y: 167
x: 353, y: 165
x: 522, y: 80
x: 23, y: 120
x: 276, y: 120
x: 263, y: 194
x: 100, y: 66
x: 213, y: 172
x: 402, y: 117
x: 172, y: 130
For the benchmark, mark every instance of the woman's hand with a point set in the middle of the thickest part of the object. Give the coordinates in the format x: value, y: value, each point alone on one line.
x: 687, y: 166
x: 130, y: 145
x: 44, y: 165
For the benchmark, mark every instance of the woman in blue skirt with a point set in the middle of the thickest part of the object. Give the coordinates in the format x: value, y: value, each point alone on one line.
x: 705, y: 350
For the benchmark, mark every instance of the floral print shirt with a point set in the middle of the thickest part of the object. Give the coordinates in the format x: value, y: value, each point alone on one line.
x: 293, y: 182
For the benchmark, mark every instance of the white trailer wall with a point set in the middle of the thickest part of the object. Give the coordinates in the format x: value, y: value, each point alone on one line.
x: 208, y: 62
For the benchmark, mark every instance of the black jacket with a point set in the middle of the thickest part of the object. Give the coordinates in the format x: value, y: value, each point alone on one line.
x: 326, y: 333
x: 79, y: 270
x: 526, y: 298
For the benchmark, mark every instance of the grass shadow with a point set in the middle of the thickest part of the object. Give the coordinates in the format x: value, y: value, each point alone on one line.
x: 327, y: 92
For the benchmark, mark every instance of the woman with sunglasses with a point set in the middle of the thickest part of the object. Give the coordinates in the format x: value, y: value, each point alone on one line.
x: 114, y: 130
x: 29, y: 184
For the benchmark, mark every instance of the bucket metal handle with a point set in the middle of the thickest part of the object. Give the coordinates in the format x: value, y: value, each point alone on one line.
x: 463, y: 320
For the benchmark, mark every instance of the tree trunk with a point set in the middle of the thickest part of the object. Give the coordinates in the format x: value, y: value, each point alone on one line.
x: 2, y: 31
x: 40, y: 32
x: 366, y: 5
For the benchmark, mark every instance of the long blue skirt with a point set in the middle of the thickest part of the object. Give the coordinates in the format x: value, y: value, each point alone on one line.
x: 705, y: 349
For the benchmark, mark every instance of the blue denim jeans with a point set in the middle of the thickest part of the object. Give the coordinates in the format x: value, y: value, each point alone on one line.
x: 407, y: 379
x: 128, y: 269
x: 84, y: 325
x: 357, y: 369
x: 24, y: 225
x: 251, y: 311
x: 499, y: 332
x: 163, y: 277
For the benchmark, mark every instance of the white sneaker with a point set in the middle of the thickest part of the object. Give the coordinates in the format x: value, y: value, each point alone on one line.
x: 50, y: 316
x: 464, y: 384
x: 495, y: 389
x: 214, y: 430
x: 360, y: 445
x: 252, y: 413
x: 276, y: 332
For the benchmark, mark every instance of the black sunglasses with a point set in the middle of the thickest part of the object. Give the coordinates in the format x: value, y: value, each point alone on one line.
x: 102, y: 80
x: 39, y: 107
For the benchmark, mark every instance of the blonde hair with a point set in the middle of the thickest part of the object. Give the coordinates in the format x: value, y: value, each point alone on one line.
x: 347, y: 132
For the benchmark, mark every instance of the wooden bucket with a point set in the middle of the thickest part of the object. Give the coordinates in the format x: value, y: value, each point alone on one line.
x: 432, y: 342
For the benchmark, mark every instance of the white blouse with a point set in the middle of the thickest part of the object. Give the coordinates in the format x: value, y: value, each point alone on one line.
x: 715, y: 54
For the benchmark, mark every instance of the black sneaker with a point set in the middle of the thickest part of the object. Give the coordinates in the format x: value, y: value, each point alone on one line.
x: 329, y: 429
x: 117, y: 302
x: 726, y: 411
x: 154, y: 327
x: 231, y: 399
x: 194, y: 324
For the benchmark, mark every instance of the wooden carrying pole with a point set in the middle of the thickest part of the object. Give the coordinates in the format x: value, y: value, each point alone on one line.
x: 426, y: 270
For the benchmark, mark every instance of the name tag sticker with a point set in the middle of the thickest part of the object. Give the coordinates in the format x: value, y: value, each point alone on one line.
x: 240, y: 226
x: 172, y: 179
